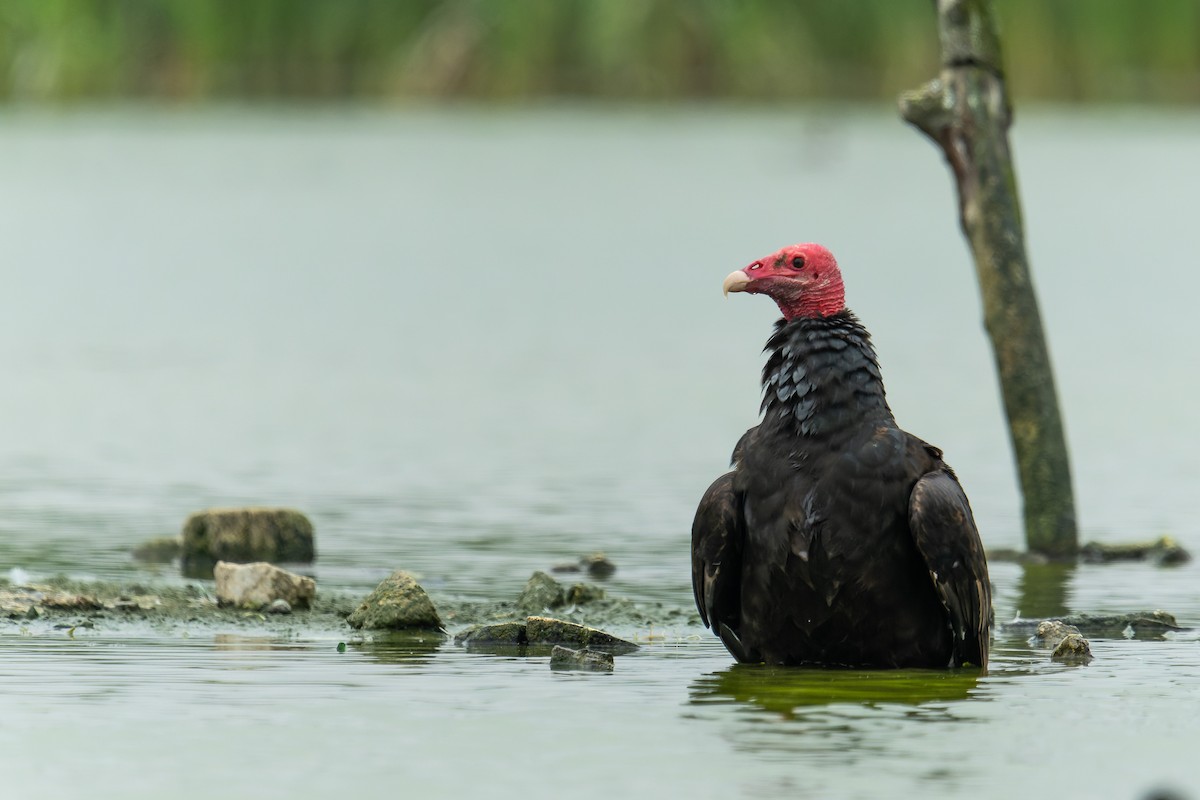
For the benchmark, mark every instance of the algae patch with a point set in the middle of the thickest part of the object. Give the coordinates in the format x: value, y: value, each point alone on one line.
x: 94, y: 607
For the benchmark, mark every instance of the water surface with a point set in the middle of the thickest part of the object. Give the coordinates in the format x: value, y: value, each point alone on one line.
x: 471, y: 344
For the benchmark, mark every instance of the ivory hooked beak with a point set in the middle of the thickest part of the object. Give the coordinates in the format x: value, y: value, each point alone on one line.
x: 736, y: 281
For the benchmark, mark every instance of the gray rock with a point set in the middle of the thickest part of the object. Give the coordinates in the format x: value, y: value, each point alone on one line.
x: 279, y: 606
x: 260, y: 584
x: 1145, y: 624
x: 541, y: 591
x: 1163, y: 551
x: 1052, y: 631
x: 591, y: 660
x: 1067, y: 642
x: 582, y: 593
x: 598, y: 565
x: 1073, y: 649
x: 244, y: 535
x: 543, y: 632
x: 398, y: 603
x: 506, y: 633
x: 548, y: 631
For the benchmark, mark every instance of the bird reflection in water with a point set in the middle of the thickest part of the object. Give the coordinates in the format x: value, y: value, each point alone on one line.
x: 788, y: 691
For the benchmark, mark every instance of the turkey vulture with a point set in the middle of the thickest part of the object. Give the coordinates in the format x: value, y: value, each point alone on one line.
x: 838, y: 539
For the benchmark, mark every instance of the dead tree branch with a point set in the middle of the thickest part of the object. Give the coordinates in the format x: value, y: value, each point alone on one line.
x: 966, y: 112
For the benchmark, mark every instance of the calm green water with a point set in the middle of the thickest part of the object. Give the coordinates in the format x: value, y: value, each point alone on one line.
x: 471, y: 344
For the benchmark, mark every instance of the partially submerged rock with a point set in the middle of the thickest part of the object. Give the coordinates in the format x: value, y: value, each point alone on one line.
x: 279, y: 606
x: 581, y: 593
x: 162, y: 550
x: 543, y: 592
x: 549, y: 631
x: 591, y: 660
x: 1073, y: 649
x: 1052, y: 631
x: 1143, y: 624
x: 244, y: 535
x: 1163, y: 551
x: 544, y: 632
x: 597, y: 565
x: 540, y: 591
x: 1065, y: 640
x: 260, y: 584
x: 503, y: 633
x: 398, y: 603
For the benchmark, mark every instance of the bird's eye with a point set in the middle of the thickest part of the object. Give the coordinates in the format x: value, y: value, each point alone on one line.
x: 798, y: 262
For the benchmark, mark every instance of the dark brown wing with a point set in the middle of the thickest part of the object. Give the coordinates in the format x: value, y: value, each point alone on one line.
x: 717, y: 538
x: 945, y: 534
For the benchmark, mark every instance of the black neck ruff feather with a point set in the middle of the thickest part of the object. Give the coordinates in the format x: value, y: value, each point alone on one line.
x: 822, y: 377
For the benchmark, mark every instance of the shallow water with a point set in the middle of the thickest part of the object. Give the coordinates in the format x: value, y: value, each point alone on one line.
x: 472, y: 344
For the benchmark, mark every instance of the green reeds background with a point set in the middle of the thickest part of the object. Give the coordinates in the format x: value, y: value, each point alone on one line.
x: 1062, y: 50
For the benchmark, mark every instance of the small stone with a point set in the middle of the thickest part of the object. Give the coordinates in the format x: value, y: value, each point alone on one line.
x: 545, y: 630
x: 279, y: 606
x: 1067, y: 642
x: 598, y: 565
x: 1171, y: 554
x: 245, y: 535
x: 398, y: 603
x: 501, y: 633
x: 1052, y: 631
x: 582, y: 593
x: 592, y: 660
x: 258, y: 585
x: 541, y: 591
x: 1073, y: 649
x: 566, y: 567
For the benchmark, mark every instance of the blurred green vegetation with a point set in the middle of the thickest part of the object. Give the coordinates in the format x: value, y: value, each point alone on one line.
x: 1063, y: 50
